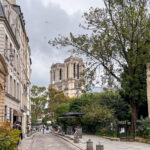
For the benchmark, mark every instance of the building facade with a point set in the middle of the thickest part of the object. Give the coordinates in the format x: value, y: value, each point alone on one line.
x: 68, y: 76
x: 16, y: 52
x: 3, y: 76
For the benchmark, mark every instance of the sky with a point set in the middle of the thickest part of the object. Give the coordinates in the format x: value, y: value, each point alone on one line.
x: 45, y: 20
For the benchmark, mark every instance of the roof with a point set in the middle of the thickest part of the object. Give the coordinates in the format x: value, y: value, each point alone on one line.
x: 17, y: 9
x: 2, y: 14
x: 71, y: 115
x: 72, y: 58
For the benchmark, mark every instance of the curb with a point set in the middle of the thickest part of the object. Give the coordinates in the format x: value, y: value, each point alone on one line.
x: 67, y: 139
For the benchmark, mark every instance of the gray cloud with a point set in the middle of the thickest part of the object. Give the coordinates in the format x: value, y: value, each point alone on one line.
x: 44, y: 22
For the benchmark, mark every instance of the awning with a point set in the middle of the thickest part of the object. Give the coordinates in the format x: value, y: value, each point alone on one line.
x: 17, y: 113
x: 71, y: 115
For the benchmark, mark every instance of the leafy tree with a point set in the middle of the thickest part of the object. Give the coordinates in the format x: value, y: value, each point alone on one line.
x: 60, y: 110
x: 55, y: 99
x: 95, y: 116
x: 39, y: 99
x: 113, y: 100
x: 77, y: 103
x: 119, y: 42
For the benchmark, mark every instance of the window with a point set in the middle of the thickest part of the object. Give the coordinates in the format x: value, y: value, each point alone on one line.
x: 67, y: 72
x: 17, y: 91
x: 74, y: 70
x: 14, y: 88
x: 60, y: 74
x: 6, y: 46
x: 5, y: 112
x: 11, y: 85
x: 54, y: 75
x: 6, y: 42
x: 78, y: 71
x: 10, y: 48
x: 10, y: 115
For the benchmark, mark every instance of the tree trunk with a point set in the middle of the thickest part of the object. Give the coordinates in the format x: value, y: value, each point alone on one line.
x: 133, y: 119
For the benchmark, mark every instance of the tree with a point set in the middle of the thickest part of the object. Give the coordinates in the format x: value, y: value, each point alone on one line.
x: 95, y: 116
x: 55, y: 99
x: 112, y: 100
x: 39, y: 99
x: 119, y: 42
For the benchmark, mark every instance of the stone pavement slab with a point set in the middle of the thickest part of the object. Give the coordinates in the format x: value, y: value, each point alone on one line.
x: 46, y: 142
x: 111, y: 145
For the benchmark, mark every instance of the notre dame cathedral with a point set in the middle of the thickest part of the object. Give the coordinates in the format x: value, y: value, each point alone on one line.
x: 68, y: 76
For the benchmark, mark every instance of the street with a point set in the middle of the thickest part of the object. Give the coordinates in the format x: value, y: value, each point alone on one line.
x: 46, y: 142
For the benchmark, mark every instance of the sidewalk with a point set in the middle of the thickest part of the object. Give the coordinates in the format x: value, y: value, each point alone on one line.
x: 26, y: 143
x: 108, y: 144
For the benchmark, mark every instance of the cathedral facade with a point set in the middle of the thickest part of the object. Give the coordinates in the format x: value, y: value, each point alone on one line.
x: 68, y: 76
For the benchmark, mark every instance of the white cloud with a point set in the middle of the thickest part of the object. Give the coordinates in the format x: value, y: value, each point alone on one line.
x: 73, y: 6
x: 45, y: 19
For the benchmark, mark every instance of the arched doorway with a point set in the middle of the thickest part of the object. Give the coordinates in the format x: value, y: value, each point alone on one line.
x: 3, y: 75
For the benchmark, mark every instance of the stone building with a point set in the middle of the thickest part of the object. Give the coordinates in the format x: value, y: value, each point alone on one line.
x: 68, y: 76
x: 16, y: 52
x: 3, y: 76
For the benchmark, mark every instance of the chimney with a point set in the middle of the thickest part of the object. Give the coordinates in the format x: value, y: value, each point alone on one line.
x: 12, y: 2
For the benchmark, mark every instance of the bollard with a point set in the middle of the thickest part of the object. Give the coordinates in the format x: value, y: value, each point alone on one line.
x: 99, y: 147
x: 76, y: 137
x: 89, y: 145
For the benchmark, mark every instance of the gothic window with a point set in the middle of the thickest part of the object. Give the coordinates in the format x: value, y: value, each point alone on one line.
x: 67, y: 72
x: 74, y: 70
x: 60, y: 74
x: 78, y: 71
x: 54, y: 75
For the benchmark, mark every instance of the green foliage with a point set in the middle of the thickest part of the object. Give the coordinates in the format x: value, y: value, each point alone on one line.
x: 143, y: 128
x: 62, y: 109
x: 119, y: 43
x: 55, y: 99
x: 8, y: 137
x: 77, y: 103
x: 95, y: 117
x: 113, y: 100
x: 39, y: 99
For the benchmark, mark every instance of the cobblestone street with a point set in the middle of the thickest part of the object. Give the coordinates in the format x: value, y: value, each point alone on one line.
x: 46, y: 142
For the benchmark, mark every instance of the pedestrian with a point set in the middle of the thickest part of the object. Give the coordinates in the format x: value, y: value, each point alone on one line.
x: 17, y: 126
x: 43, y: 129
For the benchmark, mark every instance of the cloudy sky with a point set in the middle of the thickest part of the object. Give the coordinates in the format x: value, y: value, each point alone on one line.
x: 45, y: 19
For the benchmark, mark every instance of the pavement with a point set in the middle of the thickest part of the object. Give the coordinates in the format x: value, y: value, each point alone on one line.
x: 110, y: 145
x: 48, y: 141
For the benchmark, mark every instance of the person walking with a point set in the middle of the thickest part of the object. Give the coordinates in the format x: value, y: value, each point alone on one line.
x: 17, y: 126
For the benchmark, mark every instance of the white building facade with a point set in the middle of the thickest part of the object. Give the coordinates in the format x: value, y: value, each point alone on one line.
x: 15, y: 50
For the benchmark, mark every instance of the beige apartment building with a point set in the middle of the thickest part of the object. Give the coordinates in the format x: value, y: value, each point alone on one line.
x: 68, y: 76
x: 16, y: 53
x: 3, y: 76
